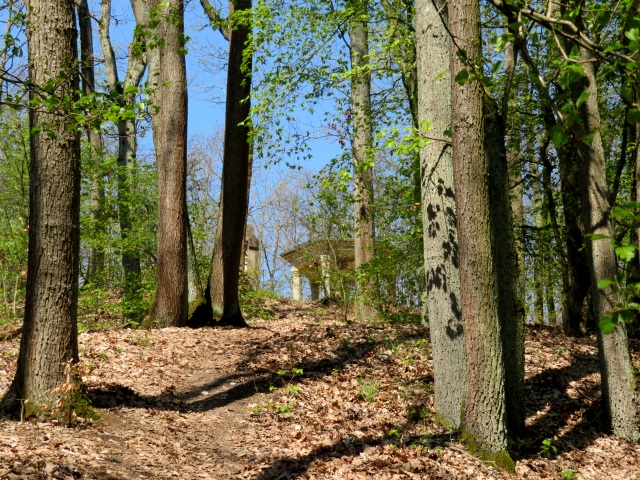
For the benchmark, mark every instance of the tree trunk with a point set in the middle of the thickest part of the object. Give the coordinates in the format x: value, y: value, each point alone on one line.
x: 127, y: 141
x: 505, y: 258
x: 362, y: 151
x: 618, y: 383
x: 484, y: 424
x: 198, y: 311
x: 438, y: 212
x: 96, y: 255
x: 215, y: 286
x: 170, y: 141
x: 236, y: 161
x: 577, y: 263
x: 49, y: 338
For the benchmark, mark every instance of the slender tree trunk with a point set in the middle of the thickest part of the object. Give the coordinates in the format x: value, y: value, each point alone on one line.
x: 96, y: 256
x: 484, y: 423
x: 618, y: 383
x: 505, y: 258
x: 170, y: 141
x: 538, y: 258
x: 49, y: 336
x: 215, y: 287
x: 198, y: 312
x: 440, y: 235
x: 578, y: 267
x: 236, y: 161
x: 127, y: 142
x: 362, y: 148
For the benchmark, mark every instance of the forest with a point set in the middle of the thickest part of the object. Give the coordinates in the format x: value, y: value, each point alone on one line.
x: 408, y: 248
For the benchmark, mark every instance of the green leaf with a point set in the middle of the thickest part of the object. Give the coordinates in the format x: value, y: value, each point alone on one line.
x: 627, y: 252
x: 619, y: 212
x: 604, y: 283
x: 558, y: 135
x: 596, y: 236
x: 130, y: 90
x: 633, y: 116
x: 607, y: 325
x: 633, y: 34
x: 462, y: 77
x: 570, y: 74
x: 582, y: 98
x: 440, y: 75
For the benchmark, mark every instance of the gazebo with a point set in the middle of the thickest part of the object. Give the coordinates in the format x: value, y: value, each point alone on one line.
x: 314, y: 260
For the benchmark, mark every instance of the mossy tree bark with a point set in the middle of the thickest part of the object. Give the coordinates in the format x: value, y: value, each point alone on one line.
x: 49, y: 335
x: 169, y: 124
x: 440, y: 235
x: 484, y: 416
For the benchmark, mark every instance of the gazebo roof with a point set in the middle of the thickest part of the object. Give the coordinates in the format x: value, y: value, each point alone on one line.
x: 306, y: 256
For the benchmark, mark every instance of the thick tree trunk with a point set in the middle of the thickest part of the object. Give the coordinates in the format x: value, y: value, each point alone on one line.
x: 505, y: 257
x: 362, y: 150
x: 439, y: 212
x: 170, y: 141
x: 235, y: 162
x: 484, y: 424
x: 49, y: 338
x: 96, y: 255
x: 618, y: 383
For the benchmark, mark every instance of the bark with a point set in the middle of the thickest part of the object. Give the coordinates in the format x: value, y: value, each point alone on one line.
x: 235, y: 163
x: 439, y: 212
x: 127, y: 142
x: 505, y: 257
x: 577, y: 283
x: 515, y: 167
x: 215, y: 287
x: 538, y: 257
x: 557, y: 234
x: 198, y: 312
x: 96, y: 255
x: 484, y: 421
x: 49, y: 339
x: 169, y: 124
x: 362, y: 151
x: 618, y: 383
x: 577, y: 262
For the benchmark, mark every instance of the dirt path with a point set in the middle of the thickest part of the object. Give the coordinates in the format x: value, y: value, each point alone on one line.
x: 301, y: 397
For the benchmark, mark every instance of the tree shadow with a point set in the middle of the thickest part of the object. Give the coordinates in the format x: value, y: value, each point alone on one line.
x: 245, y: 384
x: 293, y: 467
x: 547, y: 392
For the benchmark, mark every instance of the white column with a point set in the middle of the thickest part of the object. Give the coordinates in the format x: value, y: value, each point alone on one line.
x: 296, y: 284
x: 325, y: 266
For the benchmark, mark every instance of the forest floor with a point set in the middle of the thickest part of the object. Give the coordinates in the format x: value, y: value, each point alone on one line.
x: 303, y: 396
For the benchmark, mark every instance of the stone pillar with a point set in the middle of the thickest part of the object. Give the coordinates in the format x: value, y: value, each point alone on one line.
x: 252, y: 257
x: 296, y: 284
x: 325, y: 270
x: 315, y: 290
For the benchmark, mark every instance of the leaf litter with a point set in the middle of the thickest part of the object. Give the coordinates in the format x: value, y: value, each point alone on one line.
x: 304, y: 396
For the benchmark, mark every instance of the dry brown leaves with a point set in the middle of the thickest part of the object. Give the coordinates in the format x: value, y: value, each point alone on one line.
x: 305, y: 396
